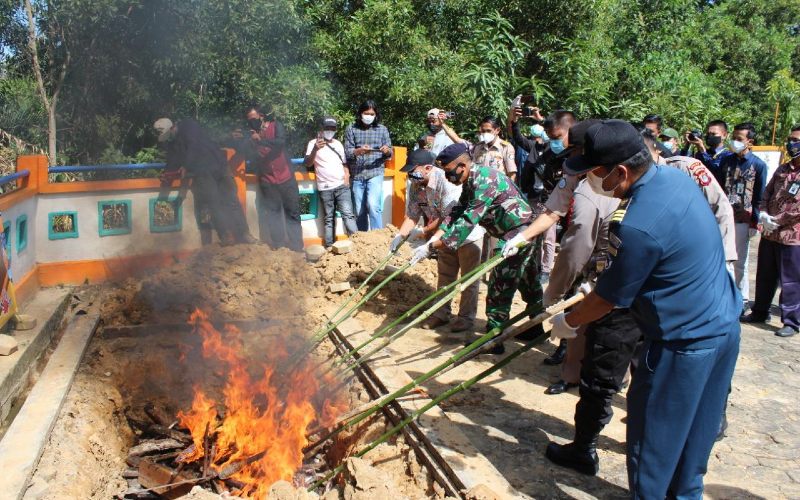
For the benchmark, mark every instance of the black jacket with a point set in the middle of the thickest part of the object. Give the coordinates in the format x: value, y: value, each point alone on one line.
x: 542, y: 165
x: 193, y: 149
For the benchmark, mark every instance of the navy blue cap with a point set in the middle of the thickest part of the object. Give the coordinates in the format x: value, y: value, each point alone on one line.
x: 607, y: 143
x: 418, y: 157
x: 450, y: 153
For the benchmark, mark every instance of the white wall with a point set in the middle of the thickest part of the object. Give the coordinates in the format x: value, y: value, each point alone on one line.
x: 22, y: 262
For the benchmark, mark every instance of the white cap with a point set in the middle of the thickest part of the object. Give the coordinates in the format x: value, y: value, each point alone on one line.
x: 163, y: 126
x: 434, y: 112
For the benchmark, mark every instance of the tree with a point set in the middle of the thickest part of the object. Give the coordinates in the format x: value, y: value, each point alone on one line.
x: 49, y: 89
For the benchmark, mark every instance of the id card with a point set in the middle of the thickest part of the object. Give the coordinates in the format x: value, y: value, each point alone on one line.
x: 739, y: 188
x: 794, y: 188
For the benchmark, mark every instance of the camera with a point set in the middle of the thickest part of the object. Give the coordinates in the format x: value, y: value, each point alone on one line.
x: 448, y: 114
x: 527, y: 111
x: 695, y: 135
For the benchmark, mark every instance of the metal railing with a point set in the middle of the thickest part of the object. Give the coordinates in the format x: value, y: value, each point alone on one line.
x: 14, y: 177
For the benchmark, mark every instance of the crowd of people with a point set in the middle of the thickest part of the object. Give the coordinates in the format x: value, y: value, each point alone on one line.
x: 655, y: 228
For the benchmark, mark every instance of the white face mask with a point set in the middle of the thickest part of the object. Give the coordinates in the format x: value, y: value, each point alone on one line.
x: 596, y: 183
x: 738, y: 146
x: 486, y: 137
x: 328, y: 134
x: 367, y: 119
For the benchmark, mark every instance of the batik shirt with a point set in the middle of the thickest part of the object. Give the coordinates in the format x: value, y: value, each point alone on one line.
x: 745, y: 180
x: 491, y: 200
x: 435, y: 200
x: 782, y: 201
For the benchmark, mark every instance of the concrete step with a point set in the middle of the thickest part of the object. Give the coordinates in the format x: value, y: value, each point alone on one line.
x: 48, y: 307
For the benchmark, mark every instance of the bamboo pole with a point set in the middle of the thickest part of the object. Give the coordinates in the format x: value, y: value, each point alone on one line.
x: 486, y: 267
x: 416, y: 414
x: 457, y: 286
x: 775, y: 121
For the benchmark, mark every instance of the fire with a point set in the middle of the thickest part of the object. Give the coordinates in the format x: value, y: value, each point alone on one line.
x: 269, y: 413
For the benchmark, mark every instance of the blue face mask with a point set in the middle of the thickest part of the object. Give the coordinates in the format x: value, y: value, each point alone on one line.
x: 556, y: 145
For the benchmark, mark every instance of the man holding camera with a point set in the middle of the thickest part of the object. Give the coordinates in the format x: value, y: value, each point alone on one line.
x: 435, y: 139
x: 713, y: 149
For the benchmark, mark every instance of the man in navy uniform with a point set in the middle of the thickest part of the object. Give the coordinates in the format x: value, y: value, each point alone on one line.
x: 668, y: 266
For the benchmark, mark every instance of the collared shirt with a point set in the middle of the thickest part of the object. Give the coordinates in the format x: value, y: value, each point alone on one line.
x: 782, y: 201
x: 711, y: 161
x: 585, y: 242
x: 745, y: 180
x: 498, y: 155
x: 435, y: 200
x: 440, y: 141
x: 560, y: 199
x: 488, y: 198
x: 667, y: 261
x: 716, y: 197
x: 371, y: 164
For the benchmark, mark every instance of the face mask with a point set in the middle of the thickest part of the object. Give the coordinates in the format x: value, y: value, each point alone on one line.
x: 255, y: 124
x: 596, y: 183
x: 453, y: 175
x: 713, y: 141
x: 486, y: 137
x: 328, y: 134
x: 793, y: 149
x: 367, y: 119
x: 434, y: 128
x: 738, y: 146
x: 556, y: 146
x: 416, y: 177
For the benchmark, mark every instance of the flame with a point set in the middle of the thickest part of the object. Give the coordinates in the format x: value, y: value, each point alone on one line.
x: 268, y: 413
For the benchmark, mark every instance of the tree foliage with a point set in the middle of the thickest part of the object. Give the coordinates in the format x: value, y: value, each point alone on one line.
x: 135, y: 60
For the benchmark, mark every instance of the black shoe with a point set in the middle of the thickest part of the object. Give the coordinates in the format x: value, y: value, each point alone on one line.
x: 575, y: 456
x: 786, y: 331
x: 559, y: 387
x: 558, y: 356
x: 723, y: 426
x: 497, y: 348
x: 754, y: 317
x: 531, y: 333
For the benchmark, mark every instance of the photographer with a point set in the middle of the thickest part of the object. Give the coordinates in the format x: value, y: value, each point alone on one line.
x: 436, y: 138
x: 713, y: 149
x: 326, y: 156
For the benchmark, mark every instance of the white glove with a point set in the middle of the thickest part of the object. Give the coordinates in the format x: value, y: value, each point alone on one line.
x: 513, y: 245
x: 421, y: 252
x: 416, y: 234
x: 395, y: 244
x: 561, y: 330
x: 586, y: 288
x: 768, y: 222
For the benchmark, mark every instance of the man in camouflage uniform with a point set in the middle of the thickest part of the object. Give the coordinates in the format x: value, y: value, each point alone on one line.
x: 491, y: 200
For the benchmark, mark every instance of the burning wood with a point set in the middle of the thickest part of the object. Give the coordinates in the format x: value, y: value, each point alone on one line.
x: 251, y: 438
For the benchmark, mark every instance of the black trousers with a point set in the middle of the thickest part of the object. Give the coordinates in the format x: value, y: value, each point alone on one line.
x: 610, y: 344
x: 282, y: 204
x: 214, y: 193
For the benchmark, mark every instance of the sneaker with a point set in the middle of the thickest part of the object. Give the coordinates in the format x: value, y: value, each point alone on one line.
x: 786, y: 331
x: 460, y: 325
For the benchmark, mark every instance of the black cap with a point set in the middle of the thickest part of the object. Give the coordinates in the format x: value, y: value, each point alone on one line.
x: 610, y: 142
x: 329, y: 121
x: 576, y: 134
x: 416, y: 158
x: 450, y: 153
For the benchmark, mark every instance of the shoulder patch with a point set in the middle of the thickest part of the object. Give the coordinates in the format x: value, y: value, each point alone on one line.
x: 562, y: 183
x: 618, y: 215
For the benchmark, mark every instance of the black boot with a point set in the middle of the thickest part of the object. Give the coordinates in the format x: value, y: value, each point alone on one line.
x: 579, y: 455
x: 558, y: 356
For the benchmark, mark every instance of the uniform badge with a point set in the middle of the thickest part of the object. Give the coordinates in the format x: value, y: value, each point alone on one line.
x: 794, y: 188
x: 562, y: 183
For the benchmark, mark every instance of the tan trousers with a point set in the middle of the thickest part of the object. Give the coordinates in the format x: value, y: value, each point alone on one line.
x: 465, y: 259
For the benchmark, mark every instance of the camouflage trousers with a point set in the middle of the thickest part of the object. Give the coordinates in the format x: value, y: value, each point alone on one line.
x: 520, y: 272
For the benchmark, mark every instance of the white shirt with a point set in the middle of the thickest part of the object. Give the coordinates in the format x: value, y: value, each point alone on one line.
x: 328, y: 164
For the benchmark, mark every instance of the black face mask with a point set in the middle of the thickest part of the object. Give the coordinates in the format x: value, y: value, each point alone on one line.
x: 255, y: 124
x: 713, y: 141
x: 434, y: 128
x: 453, y: 175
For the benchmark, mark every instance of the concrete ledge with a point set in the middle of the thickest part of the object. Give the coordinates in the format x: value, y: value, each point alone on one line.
x: 23, y: 443
x: 463, y: 460
x: 48, y: 306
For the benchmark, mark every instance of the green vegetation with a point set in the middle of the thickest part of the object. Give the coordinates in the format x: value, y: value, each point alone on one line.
x: 129, y: 62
